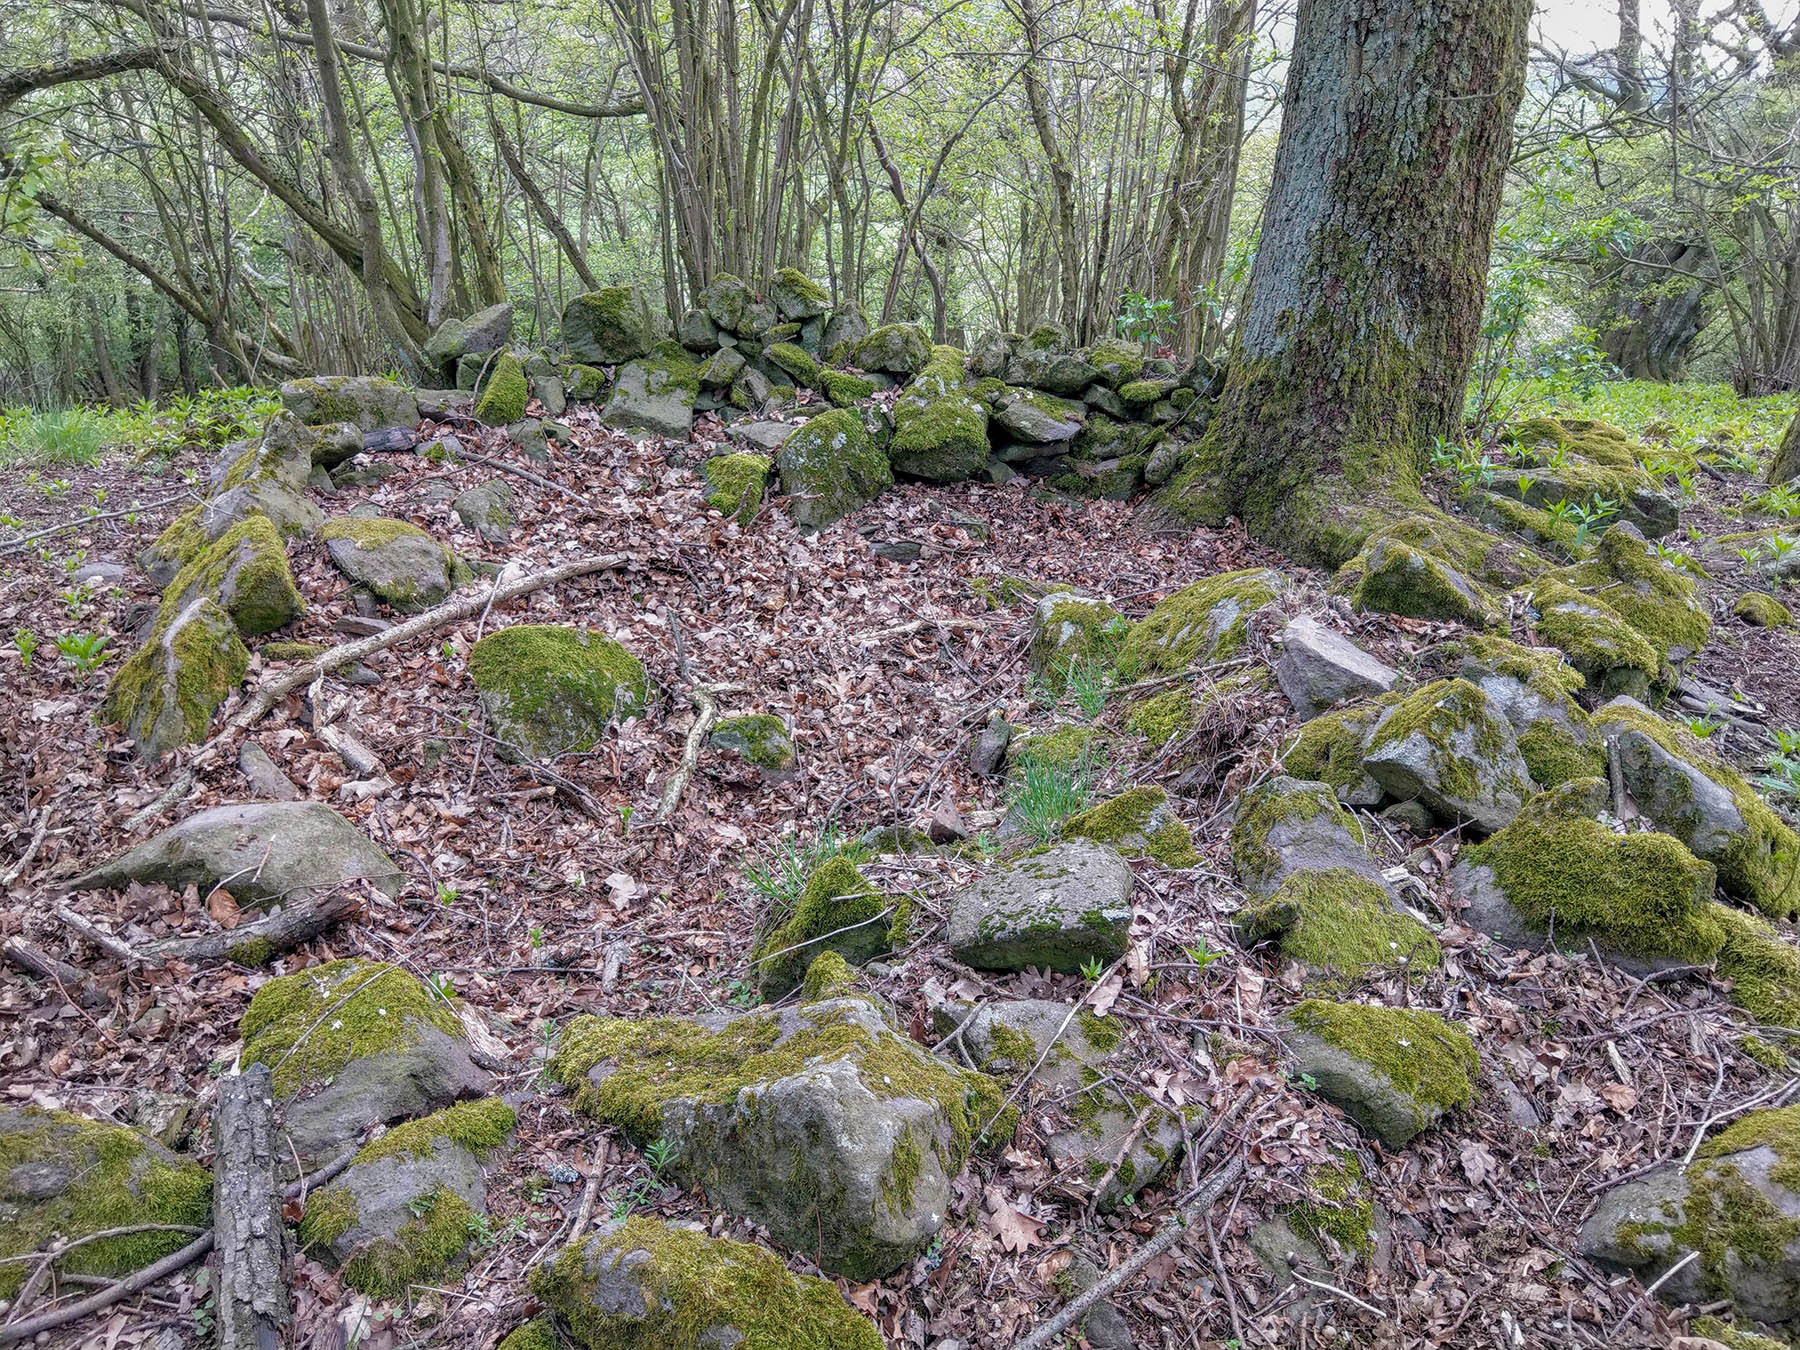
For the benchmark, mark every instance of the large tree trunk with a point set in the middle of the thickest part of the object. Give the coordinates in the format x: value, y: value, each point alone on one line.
x: 1365, y: 299
x: 1786, y: 464
x: 1658, y: 309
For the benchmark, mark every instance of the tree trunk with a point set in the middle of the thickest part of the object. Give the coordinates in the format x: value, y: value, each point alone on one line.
x: 1659, y: 300
x: 247, y: 1224
x: 1786, y: 464
x: 1366, y: 296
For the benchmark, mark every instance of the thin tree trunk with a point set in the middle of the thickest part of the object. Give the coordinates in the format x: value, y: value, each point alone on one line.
x: 249, y: 1237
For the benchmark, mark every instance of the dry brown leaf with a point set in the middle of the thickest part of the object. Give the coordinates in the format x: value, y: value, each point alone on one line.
x: 223, y: 908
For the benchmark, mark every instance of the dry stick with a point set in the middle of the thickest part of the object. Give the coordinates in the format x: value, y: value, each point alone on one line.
x: 268, y: 694
x: 548, y: 484
x: 1631, y: 1311
x: 1333, y: 1289
x: 37, y: 842
x: 253, y: 1309
x: 15, y: 1332
x: 98, y: 937
x: 46, y: 967
x: 590, y: 1193
x: 13, y: 544
x: 704, y: 697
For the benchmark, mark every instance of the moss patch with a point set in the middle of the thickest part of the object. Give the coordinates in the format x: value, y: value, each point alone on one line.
x: 166, y: 693
x: 760, y: 738
x: 1282, y: 802
x: 1199, y: 623
x: 829, y: 976
x: 1430, y: 1060
x: 1162, y: 717
x: 1612, y: 654
x: 1330, y: 748
x: 837, y: 897
x: 552, y: 690
x: 1075, y: 631
x: 1340, y: 926
x: 844, y: 389
x: 1340, y: 1207
x: 1762, y: 610
x: 478, y: 1126
x: 1138, y: 822
x: 246, y: 571
x: 503, y: 400
x: 735, y: 484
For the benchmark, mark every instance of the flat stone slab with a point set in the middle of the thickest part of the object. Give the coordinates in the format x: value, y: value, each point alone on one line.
x: 1320, y: 667
x: 1057, y: 910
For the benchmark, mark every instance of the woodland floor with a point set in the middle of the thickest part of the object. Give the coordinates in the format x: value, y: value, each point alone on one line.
x: 883, y: 670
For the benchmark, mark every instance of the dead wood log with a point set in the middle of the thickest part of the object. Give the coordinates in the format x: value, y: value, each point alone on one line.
x: 73, y: 981
x: 247, y: 1228
x: 255, y: 940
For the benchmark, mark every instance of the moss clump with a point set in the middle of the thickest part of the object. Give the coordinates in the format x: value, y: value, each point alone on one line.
x: 1609, y: 652
x: 478, y: 1126
x: 1764, y: 970
x: 434, y: 1241
x: 1340, y: 926
x: 166, y: 693
x: 1118, y: 361
x: 760, y: 738
x: 1066, y: 748
x: 900, y: 348
x: 1393, y: 577
x: 1733, y: 1338
x: 1540, y: 669
x: 1138, y: 822
x: 735, y: 484
x: 1553, y: 757
x: 552, y: 690
x: 1281, y: 802
x: 369, y: 534
x: 308, y: 1025
x: 1142, y: 393
x: 503, y: 400
x: 114, y: 1178
x: 1199, y: 623
x: 1075, y: 632
x: 252, y: 952
x: 831, y: 466
x: 1660, y: 602
x: 1340, y: 1207
x: 246, y: 571
x: 1330, y: 748
x: 829, y: 976
x: 1162, y: 717
x: 1439, y: 713
x: 1430, y: 1060
x: 537, y: 1334
x: 940, y: 437
x: 1642, y: 895
x: 1599, y: 441
x: 837, y: 897
x: 693, y: 1284
x: 1761, y: 610
x: 1531, y: 524
x: 795, y: 361
x: 844, y: 389
x: 291, y: 651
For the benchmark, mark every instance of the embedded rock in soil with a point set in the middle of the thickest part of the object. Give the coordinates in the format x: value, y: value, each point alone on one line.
x: 1393, y: 577
x: 262, y: 852
x: 1057, y: 910
x: 487, y: 509
x: 1532, y: 687
x: 1340, y: 925
x: 397, y: 563
x: 1737, y: 1207
x: 405, y: 1210
x: 940, y: 439
x: 167, y: 691
x: 1658, y: 600
x: 550, y: 690
x: 264, y: 776
x: 1329, y: 749
x: 612, y: 324
x: 1448, y: 747
x: 1074, y: 633
x: 767, y: 436
x: 1288, y: 826
x: 64, y: 1177
x: 1706, y: 804
x: 830, y: 467
x: 1320, y: 667
x: 1139, y: 823
x: 353, y: 1044
x: 1394, y: 1071
x: 817, y: 1121
x: 758, y: 743
x: 646, y: 1283
x: 1198, y: 624
x: 838, y: 911
x: 285, y: 452
x: 655, y: 393
x: 367, y: 400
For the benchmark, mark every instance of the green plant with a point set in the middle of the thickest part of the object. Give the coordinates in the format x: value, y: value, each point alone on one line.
x: 1203, y: 955
x: 71, y: 436
x: 659, y: 1154
x: 1092, y: 969
x: 1145, y: 320
x: 1701, y: 727
x: 26, y: 642
x: 84, y: 651
x: 1591, y: 516
x: 447, y: 894
x: 441, y: 985
x: 781, y: 876
x: 1049, y: 794
x: 1087, y: 682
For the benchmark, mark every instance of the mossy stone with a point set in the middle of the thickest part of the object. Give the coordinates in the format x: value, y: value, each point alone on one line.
x: 735, y: 484
x: 246, y: 571
x: 1139, y: 823
x: 1198, y: 624
x: 895, y: 348
x: 551, y: 690
x: 612, y: 324
x: 830, y: 467
x: 1393, y: 1070
x: 1762, y: 610
x: 1071, y: 632
x: 1341, y: 926
x: 761, y: 739
x: 393, y: 560
x: 503, y: 398
x: 845, y: 389
x: 837, y: 911
x: 166, y: 693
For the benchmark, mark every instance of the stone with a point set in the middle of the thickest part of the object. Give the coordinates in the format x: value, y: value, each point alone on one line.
x: 1320, y: 667
x: 1072, y: 632
x: 68, y: 1178
x: 938, y: 437
x: 1340, y: 925
x: 364, y: 475
x: 395, y: 562
x: 817, y: 1121
x: 830, y: 467
x: 262, y: 852
x: 1117, y: 360
x: 846, y: 326
x: 486, y: 330
x: 897, y: 348
x: 1199, y: 624
x: 1394, y: 577
x: 839, y: 911
x: 437, y: 404
x: 551, y: 396
x: 796, y: 296
x: 1447, y: 746
x: 751, y: 390
x: 728, y: 302
x: 1053, y: 372
x: 655, y: 393
x: 1139, y: 823
x: 487, y: 509
x: 697, y: 332
x: 288, y: 510
x: 987, y: 752
x: 504, y: 393
x: 1026, y: 415
x: 1612, y: 656
x: 641, y: 1282
x: 721, y: 369
x: 284, y: 452
x: 759, y: 740
x: 551, y: 690
x: 1058, y: 910
x: 1736, y: 1208
x: 765, y: 436
x: 612, y: 325
x: 735, y: 484
x: 402, y: 1213
x: 245, y: 571
x: 1533, y: 688
x: 97, y: 574
x: 1394, y: 1071
x: 264, y: 776
x: 1287, y: 826
x: 367, y: 400
x: 167, y: 691
x: 356, y: 1043
x: 1103, y: 1327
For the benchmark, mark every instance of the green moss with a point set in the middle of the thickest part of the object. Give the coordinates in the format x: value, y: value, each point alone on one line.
x: 1656, y: 599
x: 795, y: 361
x: 180, y: 540
x: 1601, y: 442
x: 1340, y: 926
x: 1118, y: 361
x: 1075, y: 632
x: 1438, y: 713
x: 1553, y: 757
x: 1535, y: 526
x: 1330, y: 748
x: 503, y: 401
x: 1142, y: 393
x: 903, y: 1174
x: 829, y: 976
x: 1733, y: 1338
x: 1640, y: 894
x: 1139, y: 822
x: 1538, y: 668
x: 1198, y: 624
x: 1162, y: 717
x: 1340, y: 1207
x: 832, y: 466
x: 837, y: 897
x: 939, y: 436
x: 1764, y: 970
x: 1273, y: 805
x: 761, y: 738
x: 246, y: 571
x: 1430, y: 1060
x: 168, y: 690
x: 255, y: 951
x: 897, y: 347
x: 1065, y: 748
x: 735, y: 484
x: 1102, y: 1032
x: 537, y: 1334
x: 427, y: 1246
x: 330, y: 1213
x: 1772, y: 1057
x: 1595, y: 638
x: 308, y: 1025
x: 369, y: 533
x: 291, y: 651
x: 478, y: 1126
x: 552, y: 690
x: 116, y: 1179
x: 844, y: 389
x: 697, y: 1283
x: 1762, y: 610
x: 1393, y: 577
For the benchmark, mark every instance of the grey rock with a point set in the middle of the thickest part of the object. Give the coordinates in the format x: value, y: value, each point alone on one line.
x: 1034, y: 418
x: 987, y: 752
x: 291, y: 513
x: 367, y: 400
x: 1105, y: 1326
x: 99, y: 574
x: 548, y: 391
x: 1320, y: 667
x: 1053, y: 372
x: 1458, y: 755
x: 1279, y: 1250
x: 897, y: 550
x: 1413, y: 816
x: 727, y: 302
x: 1163, y: 461
x: 485, y: 331
x: 1288, y: 825
x: 1057, y: 910
x: 436, y: 404
x: 283, y: 453
x: 1101, y: 399
x: 400, y: 565
x: 613, y: 324
x: 266, y: 779
x: 1379, y: 1106
x: 697, y: 331
x: 648, y: 396
x: 750, y: 390
x: 767, y: 437
x: 1526, y: 707
x: 364, y: 475
x: 487, y: 509
x: 262, y: 851
x: 1675, y: 793
x: 846, y: 324
x: 796, y: 297
x: 721, y: 369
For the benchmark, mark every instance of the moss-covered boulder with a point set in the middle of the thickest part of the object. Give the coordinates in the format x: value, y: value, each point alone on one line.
x: 1449, y: 747
x: 246, y: 572
x: 1341, y: 925
x: 353, y: 1044
x: 1031, y: 418
x: 1725, y: 1228
x: 367, y: 400
x: 838, y: 911
x: 1594, y: 464
x: 550, y: 690
x: 504, y: 396
x: 1116, y: 361
x: 612, y: 324
x: 1704, y: 802
x: 796, y: 296
x: 756, y: 741
x: 264, y: 853
x: 393, y: 561
x: 65, y: 1178
x: 1287, y: 825
x: 1071, y: 631
x: 735, y: 484
x: 645, y: 1285
x: 655, y: 393
x: 1759, y: 609
x: 1653, y: 596
x: 286, y: 452
x: 794, y: 361
x: 488, y: 509
x: 819, y: 1121
x: 1055, y: 371
x: 830, y: 467
x: 845, y: 389
x: 1556, y: 873
x: 406, y: 1209
x: 895, y: 348
x: 721, y: 369
x: 288, y: 510
x: 1329, y: 749
x: 1058, y: 910
x: 1392, y: 576
x: 1533, y: 688
x: 1320, y: 668
x: 940, y: 432
x: 844, y: 329
x: 1394, y: 1071
x: 1205, y: 622
x: 1140, y: 824
x: 166, y: 693
x: 1612, y: 656
x: 486, y: 330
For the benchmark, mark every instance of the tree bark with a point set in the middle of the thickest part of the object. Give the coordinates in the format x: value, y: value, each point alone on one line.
x: 247, y: 1227
x: 1786, y: 464
x: 1365, y: 300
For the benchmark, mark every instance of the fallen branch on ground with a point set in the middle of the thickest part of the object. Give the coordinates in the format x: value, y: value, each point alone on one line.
x: 705, y: 698
x: 549, y: 484
x: 297, y: 922
x: 73, y: 981
x: 11, y: 545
